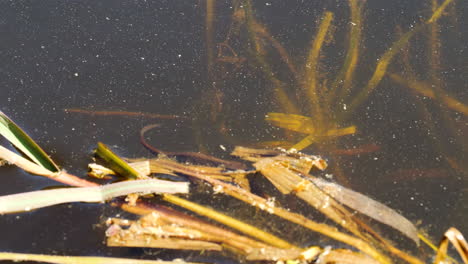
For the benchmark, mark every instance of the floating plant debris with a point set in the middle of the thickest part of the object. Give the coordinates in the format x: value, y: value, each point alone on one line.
x: 313, y: 107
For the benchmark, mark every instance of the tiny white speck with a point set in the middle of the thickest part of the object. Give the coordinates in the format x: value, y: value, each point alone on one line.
x: 344, y: 106
x: 142, y: 58
x: 222, y: 147
x: 76, y: 74
x: 180, y: 55
x: 107, y: 18
x: 268, y: 4
x: 375, y: 158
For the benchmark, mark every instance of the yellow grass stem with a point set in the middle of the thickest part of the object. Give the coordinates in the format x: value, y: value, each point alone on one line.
x: 286, y: 104
x: 16, y: 257
x: 381, y: 69
x: 387, y: 58
x: 426, y: 90
x: 434, y: 49
x: 346, y: 74
x: 439, y: 11
x: 305, y: 142
x: 311, y: 72
x: 312, y: 138
x: 293, y: 122
x: 229, y: 221
x: 209, y: 25
x: 299, y: 219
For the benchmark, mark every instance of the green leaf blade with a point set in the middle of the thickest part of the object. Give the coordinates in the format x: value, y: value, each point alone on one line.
x: 13, y: 133
x: 116, y: 163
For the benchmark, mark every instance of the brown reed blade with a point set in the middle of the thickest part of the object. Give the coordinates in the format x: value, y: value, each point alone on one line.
x: 369, y: 207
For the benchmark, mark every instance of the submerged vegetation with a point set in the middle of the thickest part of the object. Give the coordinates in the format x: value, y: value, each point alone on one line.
x: 325, y: 101
x: 277, y: 182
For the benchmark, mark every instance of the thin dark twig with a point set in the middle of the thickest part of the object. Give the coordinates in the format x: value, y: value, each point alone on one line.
x: 122, y: 113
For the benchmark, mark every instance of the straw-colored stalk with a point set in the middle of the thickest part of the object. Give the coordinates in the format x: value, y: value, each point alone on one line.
x: 229, y: 221
x: 453, y: 236
x: 16, y: 257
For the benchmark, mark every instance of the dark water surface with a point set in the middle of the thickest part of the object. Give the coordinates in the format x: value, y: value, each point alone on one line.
x: 151, y: 56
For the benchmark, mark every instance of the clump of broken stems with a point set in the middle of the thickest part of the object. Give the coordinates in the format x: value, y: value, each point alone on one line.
x: 289, y: 172
x: 163, y: 227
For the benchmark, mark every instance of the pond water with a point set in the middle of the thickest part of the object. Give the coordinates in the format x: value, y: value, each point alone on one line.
x: 221, y: 72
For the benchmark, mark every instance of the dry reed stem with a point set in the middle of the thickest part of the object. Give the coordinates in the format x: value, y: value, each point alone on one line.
x: 231, y: 239
x: 263, y: 204
x: 229, y: 221
x: 17, y: 257
x: 151, y: 231
x: 453, y: 236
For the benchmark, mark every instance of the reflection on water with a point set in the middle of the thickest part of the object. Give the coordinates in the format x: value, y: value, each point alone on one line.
x: 378, y: 88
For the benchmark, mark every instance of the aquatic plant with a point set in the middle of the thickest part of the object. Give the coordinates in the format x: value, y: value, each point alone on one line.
x: 288, y: 171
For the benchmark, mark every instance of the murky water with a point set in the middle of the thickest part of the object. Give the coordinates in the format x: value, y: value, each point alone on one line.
x: 409, y: 151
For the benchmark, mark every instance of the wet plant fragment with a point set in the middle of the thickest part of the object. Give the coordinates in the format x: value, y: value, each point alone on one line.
x: 18, y: 257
